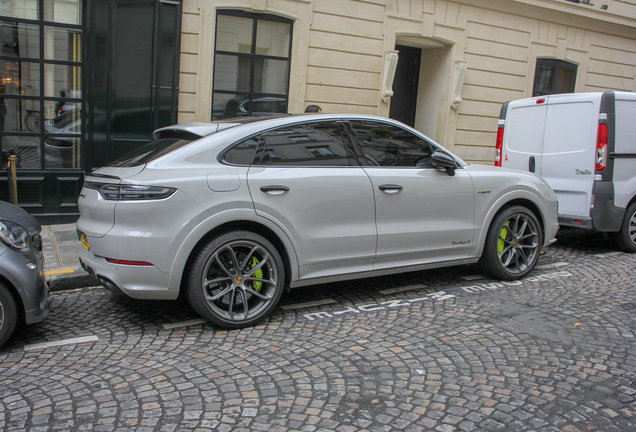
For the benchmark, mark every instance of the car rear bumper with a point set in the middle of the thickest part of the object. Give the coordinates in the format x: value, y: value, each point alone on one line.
x: 140, y: 282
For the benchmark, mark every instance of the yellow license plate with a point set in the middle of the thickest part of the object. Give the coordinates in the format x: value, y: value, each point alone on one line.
x: 84, y: 241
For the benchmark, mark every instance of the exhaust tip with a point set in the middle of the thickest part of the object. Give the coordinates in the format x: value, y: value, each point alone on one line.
x: 110, y: 286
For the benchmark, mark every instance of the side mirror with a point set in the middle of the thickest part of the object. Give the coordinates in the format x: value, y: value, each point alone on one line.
x: 444, y: 161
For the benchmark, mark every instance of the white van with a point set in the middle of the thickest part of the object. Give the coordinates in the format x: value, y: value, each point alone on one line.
x: 584, y: 146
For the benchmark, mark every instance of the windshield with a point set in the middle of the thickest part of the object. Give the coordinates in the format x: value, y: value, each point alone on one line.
x: 149, y: 152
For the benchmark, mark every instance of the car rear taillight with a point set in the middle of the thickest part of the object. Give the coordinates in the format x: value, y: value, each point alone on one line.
x: 499, y: 145
x: 128, y: 262
x: 125, y: 192
x: 601, y: 147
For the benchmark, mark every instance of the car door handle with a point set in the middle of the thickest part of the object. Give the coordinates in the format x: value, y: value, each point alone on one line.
x: 390, y: 188
x: 275, y: 190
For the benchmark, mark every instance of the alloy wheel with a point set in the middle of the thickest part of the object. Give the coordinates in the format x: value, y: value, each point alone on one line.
x: 239, y: 280
x: 518, y: 243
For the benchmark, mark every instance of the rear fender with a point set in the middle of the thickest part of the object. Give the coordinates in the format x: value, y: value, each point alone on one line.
x: 207, y: 225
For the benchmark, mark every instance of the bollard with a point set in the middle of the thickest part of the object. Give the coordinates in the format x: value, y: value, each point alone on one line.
x: 13, y: 186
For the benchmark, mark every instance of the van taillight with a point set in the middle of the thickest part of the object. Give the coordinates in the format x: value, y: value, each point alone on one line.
x: 601, y: 147
x: 499, y: 146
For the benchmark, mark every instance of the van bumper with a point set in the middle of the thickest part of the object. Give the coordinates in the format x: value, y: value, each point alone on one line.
x: 606, y: 216
x: 576, y: 221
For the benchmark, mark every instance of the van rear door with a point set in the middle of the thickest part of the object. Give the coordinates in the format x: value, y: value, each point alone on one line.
x: 624, y: 153
x: 569, y: 149
x: 524, y: 124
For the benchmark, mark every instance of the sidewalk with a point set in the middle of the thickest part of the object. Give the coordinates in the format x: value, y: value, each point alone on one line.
x: 62, y: 248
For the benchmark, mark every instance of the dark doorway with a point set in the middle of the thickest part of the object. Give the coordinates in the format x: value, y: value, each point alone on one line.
x: 407, y: 76
x: 132, y: 84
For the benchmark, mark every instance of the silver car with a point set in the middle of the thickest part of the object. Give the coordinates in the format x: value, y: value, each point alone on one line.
x: 234, y: 212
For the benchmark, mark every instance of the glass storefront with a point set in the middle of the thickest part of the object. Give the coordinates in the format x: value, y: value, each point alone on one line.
x: 41, y: 82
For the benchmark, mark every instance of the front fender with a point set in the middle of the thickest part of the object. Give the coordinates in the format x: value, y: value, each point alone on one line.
x: 547, y: 214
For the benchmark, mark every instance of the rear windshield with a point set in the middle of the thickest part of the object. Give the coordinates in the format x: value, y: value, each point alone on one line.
x: 149, y: 152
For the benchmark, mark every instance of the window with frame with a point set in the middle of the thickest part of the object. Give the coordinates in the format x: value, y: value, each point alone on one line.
x: 554, y: 76
x: 251, y: 64
x: 305, y: 145
x: 384, y: 144
x: 41, y: 82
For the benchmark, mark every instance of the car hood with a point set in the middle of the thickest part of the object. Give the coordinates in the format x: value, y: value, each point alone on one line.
x: 19, y: 215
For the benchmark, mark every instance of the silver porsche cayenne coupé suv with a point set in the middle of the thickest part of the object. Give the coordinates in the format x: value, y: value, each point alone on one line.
x: 233, y: 212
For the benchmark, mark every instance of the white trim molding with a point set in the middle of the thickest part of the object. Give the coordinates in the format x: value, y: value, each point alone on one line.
x: 390, y: 64
x: 458, y: 82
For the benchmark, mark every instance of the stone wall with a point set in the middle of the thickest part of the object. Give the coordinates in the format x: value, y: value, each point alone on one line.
x: 339, y: 48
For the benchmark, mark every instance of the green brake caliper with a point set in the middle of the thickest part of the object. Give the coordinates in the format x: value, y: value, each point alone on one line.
x: 502, y: 235
x: 257, y: 274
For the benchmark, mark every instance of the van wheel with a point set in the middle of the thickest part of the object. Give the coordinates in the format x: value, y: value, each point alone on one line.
x: 513, y: 244
x: 236, y: 280
x: 8, y: 314
x: 626, y: 238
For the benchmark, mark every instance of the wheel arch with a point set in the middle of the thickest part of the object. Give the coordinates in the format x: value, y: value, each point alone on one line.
x: 13, y: 292
x: 243, y: 225
x: 505, y: 204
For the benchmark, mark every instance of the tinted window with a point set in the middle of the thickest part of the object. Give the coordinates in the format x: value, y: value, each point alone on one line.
x: 312, y: 144
x: 384, y: 144
x: 149, y: 152
x: 242, y: 153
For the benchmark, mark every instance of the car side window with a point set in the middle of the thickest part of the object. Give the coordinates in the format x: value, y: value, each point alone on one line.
x: 384, y: 144
x: 242, y: 153
x: 308, y: 144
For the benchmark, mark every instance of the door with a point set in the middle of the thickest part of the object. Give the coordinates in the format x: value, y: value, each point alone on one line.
x: 423, y: 215
x: 405, y: 83
x: 625, y: 149
x: 523, y: 134
x: 569, y: 148
x: 133, y: 78
x: 304, y: 178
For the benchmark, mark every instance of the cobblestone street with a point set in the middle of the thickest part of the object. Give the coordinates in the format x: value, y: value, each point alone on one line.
x: 441, y: 350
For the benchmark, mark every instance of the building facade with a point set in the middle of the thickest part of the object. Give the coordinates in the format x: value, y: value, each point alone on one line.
x: 118, y: 69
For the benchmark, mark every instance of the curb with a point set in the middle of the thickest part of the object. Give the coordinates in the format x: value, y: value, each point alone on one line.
x: 69, y: 279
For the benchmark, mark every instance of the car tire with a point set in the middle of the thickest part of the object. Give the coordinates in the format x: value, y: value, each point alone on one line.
x: 8, y: 314
x: 236, y: 280
x: 513, y: 244
x: 626, y: 238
